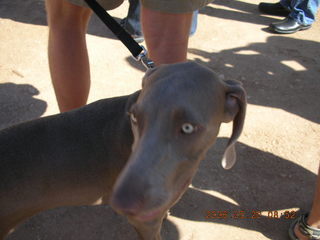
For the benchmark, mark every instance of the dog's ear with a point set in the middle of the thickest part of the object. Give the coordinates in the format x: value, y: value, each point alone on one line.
x: 235, y: 110
x: 147, y: 75
x: 132, y: 100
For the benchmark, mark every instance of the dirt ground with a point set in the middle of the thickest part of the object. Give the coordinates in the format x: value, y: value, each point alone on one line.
x: 278, y: 152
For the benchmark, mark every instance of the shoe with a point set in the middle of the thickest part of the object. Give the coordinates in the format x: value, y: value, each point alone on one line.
x: 287, y: 25
x: 273, y: 9
x: 305, y: 229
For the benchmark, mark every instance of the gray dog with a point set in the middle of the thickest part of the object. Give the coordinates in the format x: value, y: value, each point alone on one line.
x: 138, y: 152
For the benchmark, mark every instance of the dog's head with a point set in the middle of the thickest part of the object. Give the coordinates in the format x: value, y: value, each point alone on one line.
x: 175, y: 120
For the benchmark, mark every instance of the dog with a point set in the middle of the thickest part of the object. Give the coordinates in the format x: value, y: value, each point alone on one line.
x: 137, y: 153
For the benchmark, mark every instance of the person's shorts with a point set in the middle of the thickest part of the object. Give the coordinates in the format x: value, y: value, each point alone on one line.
x: 169, y: 6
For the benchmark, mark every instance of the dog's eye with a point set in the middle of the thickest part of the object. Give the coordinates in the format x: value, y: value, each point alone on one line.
x: 133, y: 118
x: 187, y: 128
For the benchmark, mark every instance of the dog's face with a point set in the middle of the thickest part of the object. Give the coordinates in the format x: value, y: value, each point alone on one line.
x: 175, y: 120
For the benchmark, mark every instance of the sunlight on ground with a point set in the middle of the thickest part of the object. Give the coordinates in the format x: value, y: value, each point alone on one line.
x: 247, y: 52
x: 294, y: 65
x: 217, y: 195
x: 258, y: 125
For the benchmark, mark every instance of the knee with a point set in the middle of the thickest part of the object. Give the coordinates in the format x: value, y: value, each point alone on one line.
x: 65, y: 16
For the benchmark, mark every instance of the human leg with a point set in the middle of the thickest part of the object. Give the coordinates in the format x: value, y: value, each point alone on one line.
x: 67, y: 53
x: 166, y: 35
x: 68, y: 57
x: 313, y: 219
x: 132, y: 22
x: 166, y: 27
x: 194, y: 22
x: 304, y: 11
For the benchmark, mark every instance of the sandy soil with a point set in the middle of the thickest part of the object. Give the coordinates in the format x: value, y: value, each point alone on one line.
x: 278, y: 152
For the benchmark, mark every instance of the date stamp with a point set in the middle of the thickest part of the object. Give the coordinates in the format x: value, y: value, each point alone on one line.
x: 253, y: 214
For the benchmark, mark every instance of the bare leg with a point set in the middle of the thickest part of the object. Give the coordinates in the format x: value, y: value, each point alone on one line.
x: 314, y: 216
x: 166, y: 35
x: 68, y: 57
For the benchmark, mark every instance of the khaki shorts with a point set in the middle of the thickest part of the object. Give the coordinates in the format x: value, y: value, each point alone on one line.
x: 169, y: 6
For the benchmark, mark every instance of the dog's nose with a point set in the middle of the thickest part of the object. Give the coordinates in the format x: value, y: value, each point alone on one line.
x: 127, y: 203
x: 129, y: 197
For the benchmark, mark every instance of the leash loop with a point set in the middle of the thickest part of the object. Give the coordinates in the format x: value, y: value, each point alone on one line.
x: 139, y: 53
x: 143, y: 58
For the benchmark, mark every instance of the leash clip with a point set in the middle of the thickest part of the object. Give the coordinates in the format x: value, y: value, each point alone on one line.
x: 142, y: 57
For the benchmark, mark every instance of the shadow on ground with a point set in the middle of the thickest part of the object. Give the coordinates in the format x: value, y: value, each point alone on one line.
x: 256, y: 180
x: 17, y: 104
x: 33, y: 12
x: 238, y: 11
x: 287, y: 75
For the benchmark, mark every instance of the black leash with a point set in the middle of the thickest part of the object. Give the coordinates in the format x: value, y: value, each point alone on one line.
x: 138, y: 52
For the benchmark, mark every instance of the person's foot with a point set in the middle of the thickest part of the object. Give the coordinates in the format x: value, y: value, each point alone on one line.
x: 287, y: 25
x: 300, y: 230
x: 298, y: 234
x: 273, y: 9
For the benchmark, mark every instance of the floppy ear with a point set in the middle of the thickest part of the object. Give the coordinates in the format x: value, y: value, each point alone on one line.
x: 147, y: 75
x: 235, y: 109
x: 132, y: 100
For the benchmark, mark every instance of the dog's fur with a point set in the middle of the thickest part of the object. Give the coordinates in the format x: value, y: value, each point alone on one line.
x: 141, y: 168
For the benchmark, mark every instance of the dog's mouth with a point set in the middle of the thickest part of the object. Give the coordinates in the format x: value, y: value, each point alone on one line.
x: 151, y: 215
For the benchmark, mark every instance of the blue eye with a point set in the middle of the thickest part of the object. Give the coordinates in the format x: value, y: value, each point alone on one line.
x: 187, y: 128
